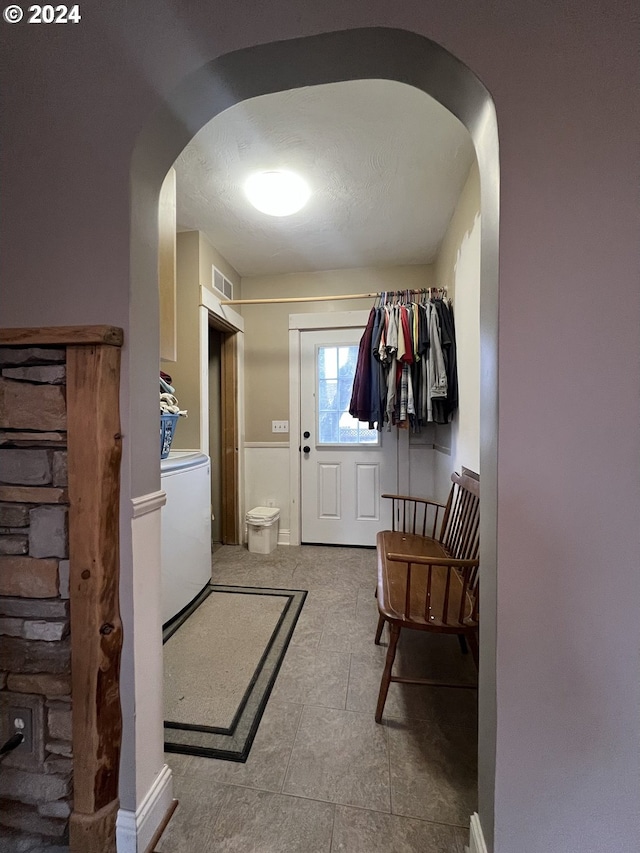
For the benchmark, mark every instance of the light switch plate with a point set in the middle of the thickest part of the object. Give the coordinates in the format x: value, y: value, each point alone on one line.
x: 279, y: 426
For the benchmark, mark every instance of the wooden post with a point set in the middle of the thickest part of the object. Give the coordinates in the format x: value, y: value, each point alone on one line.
x: 94, y: 453
x: 229, y: 369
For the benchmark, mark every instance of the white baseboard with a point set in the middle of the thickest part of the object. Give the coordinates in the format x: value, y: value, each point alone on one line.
x: 476, y: 838
x: 284, y: 537
x: 134, y: 830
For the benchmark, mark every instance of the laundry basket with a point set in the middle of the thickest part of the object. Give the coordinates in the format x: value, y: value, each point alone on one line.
x: 262, y: 529
x: 167, y: 430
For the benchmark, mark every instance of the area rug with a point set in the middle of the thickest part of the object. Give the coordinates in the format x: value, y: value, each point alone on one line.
x: 221, y: 659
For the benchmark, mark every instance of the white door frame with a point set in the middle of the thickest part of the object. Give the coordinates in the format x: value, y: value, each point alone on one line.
x: 306, y: 323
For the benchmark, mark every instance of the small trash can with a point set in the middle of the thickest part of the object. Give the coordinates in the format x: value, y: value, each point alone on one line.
x: 262, y: 529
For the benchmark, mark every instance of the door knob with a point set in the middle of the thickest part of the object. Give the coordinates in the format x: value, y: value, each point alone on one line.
x: 306, y: 449
x: 306, y: 434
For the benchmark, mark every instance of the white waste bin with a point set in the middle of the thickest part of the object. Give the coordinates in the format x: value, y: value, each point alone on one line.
x: 262, y: 529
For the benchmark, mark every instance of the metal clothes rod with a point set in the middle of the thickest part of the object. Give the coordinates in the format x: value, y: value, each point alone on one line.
x: 299, y: 299
x: 316, y: 298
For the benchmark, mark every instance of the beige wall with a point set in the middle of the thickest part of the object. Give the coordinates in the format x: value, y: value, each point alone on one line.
x: 185, y: 370
x: 267, y: 329
x: 167, y: 267
x: 195, y: 255
x: 458, y: 269
x: 210, y: 256
x: 461, y: 223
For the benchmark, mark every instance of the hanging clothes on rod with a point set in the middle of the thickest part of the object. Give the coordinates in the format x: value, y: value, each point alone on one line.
x: 406, y: 373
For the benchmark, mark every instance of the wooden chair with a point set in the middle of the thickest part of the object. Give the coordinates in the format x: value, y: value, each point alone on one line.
x: 428, y: 573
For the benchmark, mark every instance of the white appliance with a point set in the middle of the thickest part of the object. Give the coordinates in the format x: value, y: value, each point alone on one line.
x: 186, y: 529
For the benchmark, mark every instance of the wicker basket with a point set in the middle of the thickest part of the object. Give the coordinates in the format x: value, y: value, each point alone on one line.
x: 167, y: 431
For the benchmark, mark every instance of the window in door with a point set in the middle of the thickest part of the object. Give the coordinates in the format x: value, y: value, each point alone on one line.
x: 335, y: 370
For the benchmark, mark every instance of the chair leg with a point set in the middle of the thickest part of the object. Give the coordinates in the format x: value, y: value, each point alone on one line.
x: 381, y: 621
x: 394, y: 631
x: 464, y: 648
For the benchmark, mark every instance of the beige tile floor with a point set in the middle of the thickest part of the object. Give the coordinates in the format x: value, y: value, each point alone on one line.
x: 322, y: 776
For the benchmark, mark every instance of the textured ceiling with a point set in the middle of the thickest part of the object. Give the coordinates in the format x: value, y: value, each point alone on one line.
x: 385, y: 162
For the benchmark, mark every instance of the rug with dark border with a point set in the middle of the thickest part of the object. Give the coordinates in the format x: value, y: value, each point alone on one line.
x: 233, y: 743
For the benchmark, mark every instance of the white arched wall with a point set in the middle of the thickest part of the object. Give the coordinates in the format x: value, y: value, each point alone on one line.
x: 331, y: 57
x: 563, y: 77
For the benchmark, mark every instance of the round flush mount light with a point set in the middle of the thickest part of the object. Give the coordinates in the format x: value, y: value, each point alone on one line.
x: 277, y: 192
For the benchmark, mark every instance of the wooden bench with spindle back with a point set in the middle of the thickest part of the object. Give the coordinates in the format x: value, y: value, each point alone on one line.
x: 428, y: 572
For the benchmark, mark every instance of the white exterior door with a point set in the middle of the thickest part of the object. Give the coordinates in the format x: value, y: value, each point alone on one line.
x: 345, y: 466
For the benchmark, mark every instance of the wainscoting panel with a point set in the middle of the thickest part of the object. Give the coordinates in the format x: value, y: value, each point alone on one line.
x: 266, y: 481
x: 421, y: 471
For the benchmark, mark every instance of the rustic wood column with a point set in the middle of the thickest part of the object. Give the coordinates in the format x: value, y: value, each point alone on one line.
x: 94, y: 453
x: 95, y: 449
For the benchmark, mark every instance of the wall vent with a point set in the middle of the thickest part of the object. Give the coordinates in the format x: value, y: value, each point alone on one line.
x: 221, y: 284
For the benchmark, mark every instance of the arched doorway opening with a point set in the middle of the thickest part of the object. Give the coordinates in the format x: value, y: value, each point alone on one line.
x: 372, y: 53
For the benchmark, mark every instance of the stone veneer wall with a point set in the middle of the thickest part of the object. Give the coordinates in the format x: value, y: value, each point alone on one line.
x: 35, y: 657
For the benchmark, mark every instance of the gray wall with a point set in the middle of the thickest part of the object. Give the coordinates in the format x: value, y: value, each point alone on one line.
x: 563, y: 78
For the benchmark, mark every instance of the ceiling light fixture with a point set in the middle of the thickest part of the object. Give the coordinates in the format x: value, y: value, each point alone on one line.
x: 277, y: 192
